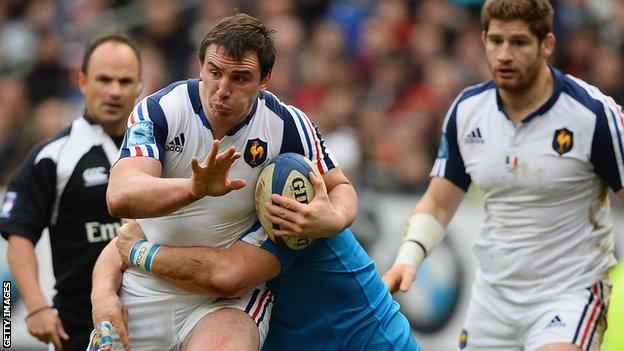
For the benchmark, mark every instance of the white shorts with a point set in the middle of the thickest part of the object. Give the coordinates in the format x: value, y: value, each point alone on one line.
x: 162, y: 322
x: 494, y: 324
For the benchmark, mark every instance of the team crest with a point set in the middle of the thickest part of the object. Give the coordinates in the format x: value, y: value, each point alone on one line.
x: 563, y: 140
x: 255, y: 152
x: 463, y: 339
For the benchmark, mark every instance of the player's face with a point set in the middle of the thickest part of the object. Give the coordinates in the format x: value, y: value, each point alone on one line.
x: 515, y: 55
x: 112, y: 83
x: 230, y: 87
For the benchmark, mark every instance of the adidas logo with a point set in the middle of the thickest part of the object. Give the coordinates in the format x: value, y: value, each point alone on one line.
x: 177, y: 144
x: 474, y: 137
x: 555, y: 322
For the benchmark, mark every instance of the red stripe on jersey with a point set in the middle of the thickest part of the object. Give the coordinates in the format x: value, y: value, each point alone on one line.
x: 596, y: 307
x: 263, y: 297
x: 132, y: 118
x: 316, y: 145
x: 138, y: 151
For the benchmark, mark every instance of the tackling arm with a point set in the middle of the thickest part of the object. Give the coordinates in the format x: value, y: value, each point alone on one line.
x: 228, y: 272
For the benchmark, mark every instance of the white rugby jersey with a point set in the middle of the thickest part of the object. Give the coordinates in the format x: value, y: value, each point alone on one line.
x: 546, y: 226
x: 171, y: 127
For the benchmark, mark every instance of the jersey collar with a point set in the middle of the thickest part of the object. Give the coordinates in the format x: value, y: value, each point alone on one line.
x: 558, y: 78
x: 88, y: 118
x: 193, y: 91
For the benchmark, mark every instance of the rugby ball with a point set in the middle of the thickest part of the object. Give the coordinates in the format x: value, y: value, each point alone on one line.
x: 286, y: 175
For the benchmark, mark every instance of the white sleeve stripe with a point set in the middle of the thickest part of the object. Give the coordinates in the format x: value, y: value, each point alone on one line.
x: 439, y: 167
x: 317, y: 153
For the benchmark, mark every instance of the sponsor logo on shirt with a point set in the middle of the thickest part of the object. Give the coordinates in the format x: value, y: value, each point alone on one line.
x: 555, y: 322
x: 7, y: 204
x: 563, y: 140
x: 177, y: 144
x: 98, y: 232
x: 95, y: 176
x: 474, y: 137
x: 255, y: 152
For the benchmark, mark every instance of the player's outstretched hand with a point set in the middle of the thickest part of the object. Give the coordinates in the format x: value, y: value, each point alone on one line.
x: 210, y: 178
x: 317, y: 219
x: 127, y: 235
x: 108, y: 308
x: 47, y: 327
x: 400, y: 277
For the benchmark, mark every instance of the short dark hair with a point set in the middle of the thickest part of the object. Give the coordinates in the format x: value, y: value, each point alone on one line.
x: 104, y: 38
x: 239, y: 34
x: 538, y: 14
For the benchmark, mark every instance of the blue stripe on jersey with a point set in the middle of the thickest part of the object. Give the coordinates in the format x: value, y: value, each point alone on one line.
x: 161, y: 126
x: 455, y: 170
x: 307, y: 137
x: 290, y: 141
x: 603, y: 151
x: 600, y: 312
x: 140, y: 111
x: 252, y: 301
x: 192, y: 87
x: 618, y: 132
x: 582, y: 319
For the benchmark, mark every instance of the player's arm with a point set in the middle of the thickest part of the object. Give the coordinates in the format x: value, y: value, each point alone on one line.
x: 229, y: 272
x: 332, y: 210
x: 136, y: 189
x: 106, y: 304
x: 425, y: 230
x: 42, y: 321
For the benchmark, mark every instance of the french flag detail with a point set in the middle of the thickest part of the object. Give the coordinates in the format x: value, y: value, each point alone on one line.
x: 140, y: 138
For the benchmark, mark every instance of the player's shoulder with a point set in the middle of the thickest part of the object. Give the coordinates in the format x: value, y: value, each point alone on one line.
x: 274, y: 107
x: 584, y: 93
x: 476, y: 90
x: 176, y: 92
x: 51, y: 147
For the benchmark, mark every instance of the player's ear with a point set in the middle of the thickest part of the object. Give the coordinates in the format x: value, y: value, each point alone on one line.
x: 264, y: 82
x: 548, y: 45
x: 82, y: 82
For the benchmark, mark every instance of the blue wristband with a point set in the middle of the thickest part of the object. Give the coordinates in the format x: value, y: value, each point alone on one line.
x: 142, y: 254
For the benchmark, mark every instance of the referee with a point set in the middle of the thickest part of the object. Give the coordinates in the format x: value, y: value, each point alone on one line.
x: 62, y: 186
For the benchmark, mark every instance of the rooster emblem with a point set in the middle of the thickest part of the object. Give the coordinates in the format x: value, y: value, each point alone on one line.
x: 563, y: 141
x: 255, y: 152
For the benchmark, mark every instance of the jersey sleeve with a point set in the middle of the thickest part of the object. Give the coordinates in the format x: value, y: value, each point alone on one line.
x: 256, y: 235
x: 607, y: 152
x: 303, y: 137
x: 27, y: 203
x: 146, y: 132
x: 449, y: 163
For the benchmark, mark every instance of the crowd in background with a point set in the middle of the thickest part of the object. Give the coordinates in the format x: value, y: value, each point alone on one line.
x: 377, y: 76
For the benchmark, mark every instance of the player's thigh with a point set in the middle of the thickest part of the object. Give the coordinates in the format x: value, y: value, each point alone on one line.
x: 560, y: 347
x: 151, y: 323
x: 488, y: 326
x: 224, y: 329
x: 575, y: 321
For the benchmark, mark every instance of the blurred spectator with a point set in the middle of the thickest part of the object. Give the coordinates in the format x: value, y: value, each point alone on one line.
x: 400, y: 60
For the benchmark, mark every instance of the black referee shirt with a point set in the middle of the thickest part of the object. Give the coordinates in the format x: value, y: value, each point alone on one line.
x: 62, y: 186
